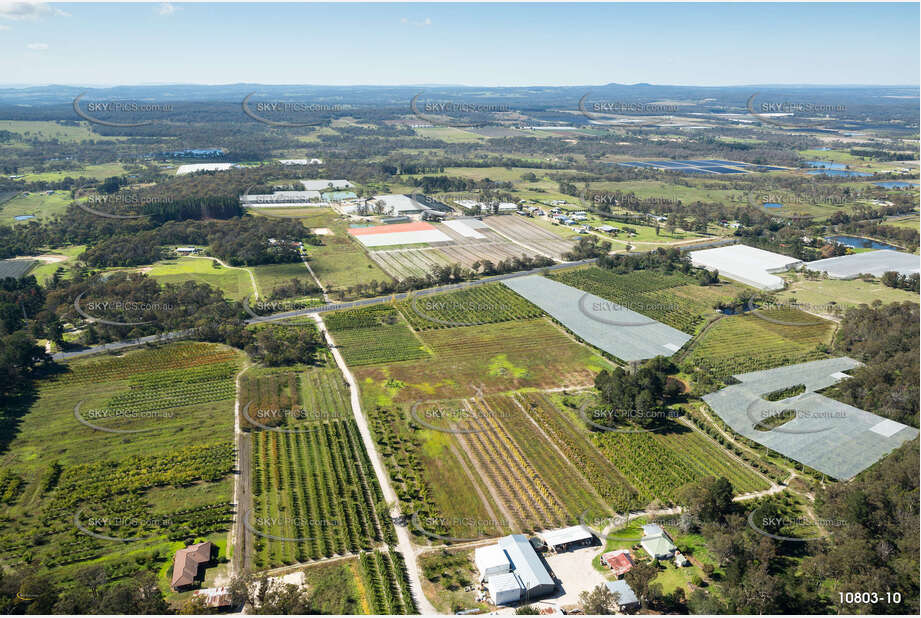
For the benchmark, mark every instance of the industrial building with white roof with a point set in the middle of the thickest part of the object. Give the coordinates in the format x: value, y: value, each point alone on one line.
x: 746, y: 264
x: 512, y: 570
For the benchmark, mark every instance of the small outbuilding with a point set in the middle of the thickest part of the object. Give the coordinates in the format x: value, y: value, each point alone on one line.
x: 626, y: 598
x: 491, y: 560
x: 505, y: 589
x: 564, y: 539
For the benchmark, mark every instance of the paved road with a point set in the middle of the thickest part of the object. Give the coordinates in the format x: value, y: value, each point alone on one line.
x: 329, y: 306
x: 364, y: 302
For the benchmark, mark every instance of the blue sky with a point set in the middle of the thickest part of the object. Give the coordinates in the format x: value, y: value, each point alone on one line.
x: 473, y: 44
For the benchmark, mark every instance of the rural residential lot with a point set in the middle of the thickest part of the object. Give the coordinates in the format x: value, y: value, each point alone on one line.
x: 276, y: 348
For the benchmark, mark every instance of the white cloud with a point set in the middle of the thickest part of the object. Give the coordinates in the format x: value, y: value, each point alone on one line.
x: 4, y: 27
x: 166, y: 9
x: 22, y: 11
x: 425, y: 22
x: 37, y: 46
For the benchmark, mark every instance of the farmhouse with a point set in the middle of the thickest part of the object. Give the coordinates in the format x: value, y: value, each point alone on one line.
x: 656, y: 542
x: 746, y: 264
x: 187, y: 563
x: 186, y: 250
x: 564, y: 539
x: 513, y: 571
x: 626, y: 598
x: 619, y: 561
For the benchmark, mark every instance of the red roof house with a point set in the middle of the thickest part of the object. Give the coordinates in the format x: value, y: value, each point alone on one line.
x: 187, y: 562
x: 618, y: 561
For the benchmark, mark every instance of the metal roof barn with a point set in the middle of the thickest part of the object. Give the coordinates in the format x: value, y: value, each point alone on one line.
x: 829, y: 436
x: 746, y: 264
x: 527, y: 565
x: 621, y: 332
x: 505, y: 588
x: 870, y: 262
x: 565, y: 536
x: 491, y: 560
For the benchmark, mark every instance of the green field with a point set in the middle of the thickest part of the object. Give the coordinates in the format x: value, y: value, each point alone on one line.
x: 497, y: 357
x: 289, y: 397
x: 235, y: 283
x: 314, y: 494
x: 377, y: 334
x: 47, y: 268
x: 450, y: 135
x: 743, y: 343
x: 340, y: 262
x: 911, y: 222
x: 433, y: 477
x: 483, y: 304
x: 49, y: 130
x: 822, y: 293
x: 38, y: 204
x: 446, y: 576
x: 268, y: 276
x: 675, y: 299
x: 169, y: 482
x: 658, y: 463
x: 99, y: 172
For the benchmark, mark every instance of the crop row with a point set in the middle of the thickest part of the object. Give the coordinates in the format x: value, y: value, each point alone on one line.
x: 384, y: 580
x: 658, y: 464
x: 574, y: 443
x: 382, y: 344
x: 11, y: 485
x: 476, y: 305
x: 512, y: 476
x: 95, y: 481
x: 642, y: 291
x: 398, y: 449
x: 182, y: 355
x: 313, y: 489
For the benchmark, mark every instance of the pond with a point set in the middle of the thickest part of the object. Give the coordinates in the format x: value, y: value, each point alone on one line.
x: 862, y: 243
x: 847, y: 173
x: 825, y: 165
x: 895, y: 184
x: 772, y: 205
x: 23, y: 217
